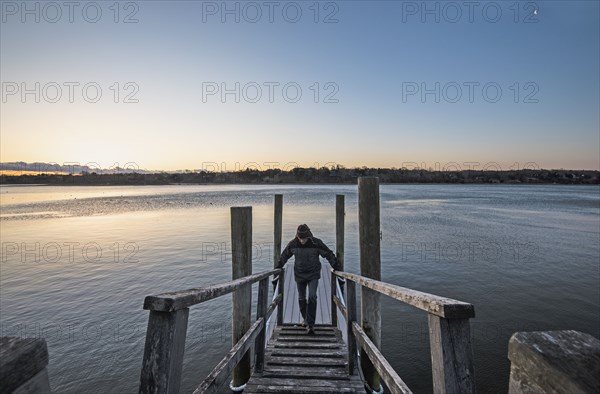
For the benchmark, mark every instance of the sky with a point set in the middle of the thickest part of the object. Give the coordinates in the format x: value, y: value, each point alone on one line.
x: 230, y: 85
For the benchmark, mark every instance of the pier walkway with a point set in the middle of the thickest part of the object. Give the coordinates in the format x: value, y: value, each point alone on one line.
x: 299, y: 363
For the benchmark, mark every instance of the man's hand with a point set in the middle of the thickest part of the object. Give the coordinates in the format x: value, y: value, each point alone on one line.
x: 274, y: 281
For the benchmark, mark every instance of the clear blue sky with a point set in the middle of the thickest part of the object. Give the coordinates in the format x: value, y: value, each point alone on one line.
x: 377, y: 56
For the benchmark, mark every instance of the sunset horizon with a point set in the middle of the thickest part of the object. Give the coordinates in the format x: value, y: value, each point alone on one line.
x: 356, y: 83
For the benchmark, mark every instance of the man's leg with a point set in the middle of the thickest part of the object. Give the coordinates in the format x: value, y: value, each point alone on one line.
x: 311, y: 309
x: 302, y: 297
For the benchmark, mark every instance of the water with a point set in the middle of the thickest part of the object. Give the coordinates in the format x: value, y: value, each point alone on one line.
x: 77, y: 263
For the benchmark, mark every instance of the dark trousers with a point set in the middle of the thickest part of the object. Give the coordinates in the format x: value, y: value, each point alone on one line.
x: 308, y: 308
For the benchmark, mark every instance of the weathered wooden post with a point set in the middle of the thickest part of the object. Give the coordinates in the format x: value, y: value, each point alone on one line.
x: 340, y: 214
x: 554, y: 362
x: 351, y: 309
x: 23, y: 364
x: 163, y: 351
x: 339, y: 250
x: 241, y: 253
x: 370, y: 266
x: 261, y: 312
x: 451, y: 355
x: 277, y: 230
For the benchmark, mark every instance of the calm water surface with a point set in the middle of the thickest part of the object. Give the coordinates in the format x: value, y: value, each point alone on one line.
x: 77, y: 263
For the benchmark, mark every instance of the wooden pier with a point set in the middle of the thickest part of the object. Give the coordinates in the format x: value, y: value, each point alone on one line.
x: 343, y: 356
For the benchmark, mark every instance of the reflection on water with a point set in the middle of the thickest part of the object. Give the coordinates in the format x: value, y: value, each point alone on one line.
x: 77, y: 263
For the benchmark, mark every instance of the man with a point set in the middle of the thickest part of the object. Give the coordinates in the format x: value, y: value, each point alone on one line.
x: 307, y: 270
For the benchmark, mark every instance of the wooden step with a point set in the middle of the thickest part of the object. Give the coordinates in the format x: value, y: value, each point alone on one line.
x: 304, y: 345
x: 296, y: 362
x: 305, y: 373
x: 302, y: 386
x: 306, y: 339
x: 303, y: 334
x: 328, y: 353
x: 312, y: 362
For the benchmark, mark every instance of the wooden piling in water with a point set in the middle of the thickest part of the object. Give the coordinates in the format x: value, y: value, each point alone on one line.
x: 339, y: 250
x: 370, y: 267
x: 340, y: 214
x: 241, y: 252
x: 277, y: 231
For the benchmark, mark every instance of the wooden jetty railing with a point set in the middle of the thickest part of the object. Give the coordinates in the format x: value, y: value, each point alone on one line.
x: 449, y: 327
x: 449, y: 335
x: 167, y: 328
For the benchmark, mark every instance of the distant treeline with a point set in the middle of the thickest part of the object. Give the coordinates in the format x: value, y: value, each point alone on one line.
x: 313, y: 175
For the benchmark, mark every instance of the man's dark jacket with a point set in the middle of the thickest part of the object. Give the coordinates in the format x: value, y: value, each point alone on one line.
x: 307, y: 265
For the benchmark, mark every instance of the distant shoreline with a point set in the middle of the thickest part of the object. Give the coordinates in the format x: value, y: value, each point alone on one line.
x: 312, y: 176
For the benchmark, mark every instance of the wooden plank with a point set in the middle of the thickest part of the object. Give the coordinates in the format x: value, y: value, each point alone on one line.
x: 340, y: 306
x: 294, y: 389
x: 163, y: 351
x: 316, y: 325
x: 315, y: 362
x: 308, y: 373
x: 318, y: 383
x: 297, y: 328
x: 305, y: 345
x: 329, y: 353
x: 387, y: 373
x: 451, y: 355
x: 273, y: 305
x: 439, y: 306
x: 307, y: 338
x: 168, y: 302
x: 22, y: 360
x: 220, y: 373
x: 302, y: 332
x: 291, y: 389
